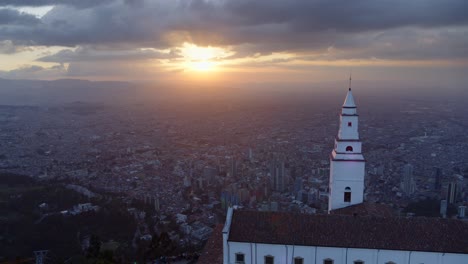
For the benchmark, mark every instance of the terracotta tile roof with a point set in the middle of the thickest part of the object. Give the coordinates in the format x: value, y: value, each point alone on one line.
x: 213, y: 250
x: 365, y: 209
x: 415, y: 234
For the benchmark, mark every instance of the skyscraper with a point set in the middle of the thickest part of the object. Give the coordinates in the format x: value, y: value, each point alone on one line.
x: 233, y: 167
x: 277, y: 172
x: 452, y: 192
x: 437, y: 178
x: 408, y: 185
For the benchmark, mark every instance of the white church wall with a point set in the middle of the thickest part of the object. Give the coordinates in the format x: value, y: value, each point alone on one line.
x: 243, y: 248
x: 426, y: 258
x: 307, y: 253
x: 396, y: 256
x: 277, y: 251
x: 448, y: 258
x: 335, y: 254
x: 284, y: 254
x: 366, y: 255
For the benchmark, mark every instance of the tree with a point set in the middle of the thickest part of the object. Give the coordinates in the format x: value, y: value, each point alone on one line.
x: 94, y: 246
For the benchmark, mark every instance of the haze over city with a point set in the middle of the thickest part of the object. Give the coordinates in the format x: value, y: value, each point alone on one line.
x: 233, y: 131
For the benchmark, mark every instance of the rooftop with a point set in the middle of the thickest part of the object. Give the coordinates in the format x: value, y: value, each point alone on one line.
x: 349, y: 101
x: 410, y: 234
x: 365, y: 209
x: 213, y: 250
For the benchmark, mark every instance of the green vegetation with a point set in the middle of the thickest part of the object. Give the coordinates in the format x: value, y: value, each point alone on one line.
x: 25, y: 227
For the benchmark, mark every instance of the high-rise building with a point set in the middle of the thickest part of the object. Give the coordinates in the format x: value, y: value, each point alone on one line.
x: 347, y: 164
x: 443, y: 208
x: 437, y: 178
x: 298, y: 184
x: 408, y: 185
x: 233, y: 167
x: 278, y: 174
x: 452, y: 192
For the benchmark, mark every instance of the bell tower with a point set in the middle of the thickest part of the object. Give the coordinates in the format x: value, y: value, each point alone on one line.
x: 347, y: 164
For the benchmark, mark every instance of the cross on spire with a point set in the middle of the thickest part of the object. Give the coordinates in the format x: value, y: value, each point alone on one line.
x: 350, y: 81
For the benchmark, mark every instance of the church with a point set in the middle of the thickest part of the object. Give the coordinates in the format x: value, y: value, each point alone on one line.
x: 353, y: 231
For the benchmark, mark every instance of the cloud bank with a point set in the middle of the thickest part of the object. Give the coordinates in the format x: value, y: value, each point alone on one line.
x: 313, y: 30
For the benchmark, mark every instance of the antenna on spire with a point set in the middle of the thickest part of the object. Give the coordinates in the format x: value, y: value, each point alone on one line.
x: 350, y: 72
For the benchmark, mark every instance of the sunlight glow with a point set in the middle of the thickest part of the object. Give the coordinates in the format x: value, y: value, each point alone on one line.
x: 203, y: 59
x: 203, y: 66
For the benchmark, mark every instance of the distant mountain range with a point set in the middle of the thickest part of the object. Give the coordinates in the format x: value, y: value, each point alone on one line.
x: 38, y: 92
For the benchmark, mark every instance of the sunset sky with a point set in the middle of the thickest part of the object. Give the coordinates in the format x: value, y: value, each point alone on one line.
x: 233, y: 40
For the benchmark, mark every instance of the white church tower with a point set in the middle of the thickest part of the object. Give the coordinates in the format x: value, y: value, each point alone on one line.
x: 347, y: 164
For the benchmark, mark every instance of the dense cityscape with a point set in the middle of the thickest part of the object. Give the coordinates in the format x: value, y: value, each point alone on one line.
x: 184, y: 162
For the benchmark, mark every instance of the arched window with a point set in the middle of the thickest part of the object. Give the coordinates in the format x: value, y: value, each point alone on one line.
x: 240, y: 258
x: 328, y: 261
x: 349, y: 148
x: 298, y: 260
x: 358, y: 262
x: 390, y: 262
x: 347, y: 195
x: 269, y: 260
x: 350, y: 124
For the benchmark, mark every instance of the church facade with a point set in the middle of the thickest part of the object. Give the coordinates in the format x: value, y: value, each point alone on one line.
x: 288, y: 238
x: 341, y: 238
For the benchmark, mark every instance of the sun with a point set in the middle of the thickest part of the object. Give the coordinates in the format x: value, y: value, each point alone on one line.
x: 202, y: 59
x: 203, y: 66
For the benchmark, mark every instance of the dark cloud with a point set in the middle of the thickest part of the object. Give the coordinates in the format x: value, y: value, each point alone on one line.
x: 37, y: 3
x: 95, y: 54
x: 347, y: 16
x: 14, y: 17
x: 111, y: 25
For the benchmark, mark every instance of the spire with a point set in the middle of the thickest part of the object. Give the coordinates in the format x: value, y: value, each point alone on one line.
x: 350, y: 81
x: 349, y: 101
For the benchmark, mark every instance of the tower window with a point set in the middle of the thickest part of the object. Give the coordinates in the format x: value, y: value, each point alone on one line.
x: 358, y: 262
x: 327, y: 261
x: 349, y: 148
x: 350, y: 124
x: 347, y: 195
x: 269, y: 260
